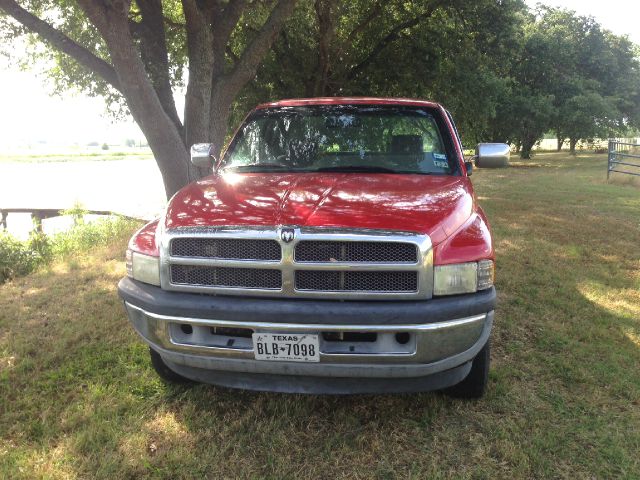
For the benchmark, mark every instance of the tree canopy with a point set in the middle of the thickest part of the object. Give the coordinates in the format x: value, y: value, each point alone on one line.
x: 505, y: 72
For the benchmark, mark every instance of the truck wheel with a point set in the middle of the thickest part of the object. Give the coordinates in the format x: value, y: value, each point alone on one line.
x: 163, y: 371
x: 475, y: 384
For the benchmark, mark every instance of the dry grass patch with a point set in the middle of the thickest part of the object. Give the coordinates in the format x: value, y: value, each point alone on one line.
x: 618, y: 178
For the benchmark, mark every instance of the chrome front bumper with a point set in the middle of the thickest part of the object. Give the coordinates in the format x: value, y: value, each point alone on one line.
x: 432, y: 348
x: 445, y: 334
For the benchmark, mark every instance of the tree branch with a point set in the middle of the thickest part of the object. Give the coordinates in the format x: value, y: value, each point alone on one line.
x: 326, y: 30
x: 153, y: 50
x: 224, y: 21
x: 255, y: 51
x: 389, y: 38
x: 172, y: 24
x: 375, y: 12
x: 62, y: 42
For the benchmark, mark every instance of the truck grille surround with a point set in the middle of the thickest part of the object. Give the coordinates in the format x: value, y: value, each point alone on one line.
x: 316, y: 262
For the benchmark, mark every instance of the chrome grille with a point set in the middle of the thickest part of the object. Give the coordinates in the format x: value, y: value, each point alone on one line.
x: 357, y: 281
x: 226, y: 277
x: 370, y: 252
x: 315, y: 263
x: 226, y: 248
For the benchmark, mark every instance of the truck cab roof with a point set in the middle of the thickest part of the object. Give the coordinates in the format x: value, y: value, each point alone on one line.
x: 300, y: 102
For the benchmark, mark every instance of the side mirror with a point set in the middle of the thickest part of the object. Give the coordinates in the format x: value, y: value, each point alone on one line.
x: 492, y: 155
x: 201, y: 155
x: 469, y: 168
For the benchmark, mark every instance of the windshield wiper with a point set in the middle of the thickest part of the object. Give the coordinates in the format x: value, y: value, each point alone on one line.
x: 357, y: 169
x: 258, y: 167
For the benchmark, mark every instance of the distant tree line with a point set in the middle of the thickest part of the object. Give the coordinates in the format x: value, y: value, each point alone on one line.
x: 506, y: 73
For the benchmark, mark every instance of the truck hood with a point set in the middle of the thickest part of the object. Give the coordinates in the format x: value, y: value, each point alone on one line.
x: 435, y: 205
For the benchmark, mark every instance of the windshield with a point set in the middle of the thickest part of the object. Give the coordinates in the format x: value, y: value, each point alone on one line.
x: 341, y: 138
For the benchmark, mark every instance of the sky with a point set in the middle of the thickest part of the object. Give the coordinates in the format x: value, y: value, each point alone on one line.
x: 622, y: 17
x: 30, y: 115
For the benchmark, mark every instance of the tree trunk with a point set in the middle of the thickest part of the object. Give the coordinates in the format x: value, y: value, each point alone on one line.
x: 219, y: 122
x: 560, y: 142
x: 326, y: 29
x: 198, y: 95
x: 572, y: 145
x: 527, y: 147
x: 153, y: 51
x: 225, y: 86
x: 161, y: 133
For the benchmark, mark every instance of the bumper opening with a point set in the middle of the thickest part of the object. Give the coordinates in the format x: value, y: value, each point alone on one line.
x: 349, y: 336
x: 193, y: 335
x: 331, y: 342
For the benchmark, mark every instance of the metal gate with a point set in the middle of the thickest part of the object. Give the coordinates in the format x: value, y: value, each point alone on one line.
x: 623, y: 158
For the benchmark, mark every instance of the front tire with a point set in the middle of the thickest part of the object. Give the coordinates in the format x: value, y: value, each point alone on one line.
x: 163, y: 371
x: 475, y: 384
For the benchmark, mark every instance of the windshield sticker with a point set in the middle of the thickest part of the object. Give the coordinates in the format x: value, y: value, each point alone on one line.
x: 441, y: 164
x: 440, y: 160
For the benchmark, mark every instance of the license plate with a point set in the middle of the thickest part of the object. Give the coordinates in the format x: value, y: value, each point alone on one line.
x: 286, y: 347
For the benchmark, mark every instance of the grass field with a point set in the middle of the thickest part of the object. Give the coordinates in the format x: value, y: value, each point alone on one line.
x: 79, y: 399
x: 74, y: 156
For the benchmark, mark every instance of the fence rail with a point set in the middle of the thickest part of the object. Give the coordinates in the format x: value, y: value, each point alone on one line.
x: 623, y: 157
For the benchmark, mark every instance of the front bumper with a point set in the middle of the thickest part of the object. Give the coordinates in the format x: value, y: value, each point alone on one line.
x: 196, y: 336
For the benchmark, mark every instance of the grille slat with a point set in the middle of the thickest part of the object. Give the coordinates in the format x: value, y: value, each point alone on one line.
x: 226, y: 277
x: 338, y: 281
x: 226, y: 248
x: 369, y: 252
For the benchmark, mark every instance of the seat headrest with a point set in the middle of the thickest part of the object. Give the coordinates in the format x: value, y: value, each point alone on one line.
x: 406, y: 144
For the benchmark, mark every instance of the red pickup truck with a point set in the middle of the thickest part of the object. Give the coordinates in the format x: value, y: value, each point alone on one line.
x: 337, y: 247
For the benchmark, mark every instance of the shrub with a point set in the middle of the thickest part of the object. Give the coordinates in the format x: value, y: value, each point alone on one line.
x: 22, y: 257
x: 77, y: 212
x: 85, y: 236
x: 18, y: 257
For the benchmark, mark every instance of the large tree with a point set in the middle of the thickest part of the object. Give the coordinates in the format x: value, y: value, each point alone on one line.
x: 454, y: 51
x: 135, y: 52
x: 594, y: 73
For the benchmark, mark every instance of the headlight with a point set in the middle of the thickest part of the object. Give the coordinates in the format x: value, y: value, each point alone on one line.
x: 143, y: 268
x: 463, y: 277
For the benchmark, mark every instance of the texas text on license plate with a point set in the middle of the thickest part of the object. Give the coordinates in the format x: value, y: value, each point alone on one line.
x: 287, y: 347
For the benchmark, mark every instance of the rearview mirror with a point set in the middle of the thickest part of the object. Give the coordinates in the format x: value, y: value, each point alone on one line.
x: 492, y: 155
x: 201, y: 155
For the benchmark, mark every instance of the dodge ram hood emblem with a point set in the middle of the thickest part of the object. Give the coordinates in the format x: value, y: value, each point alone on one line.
x: 287, y: 234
